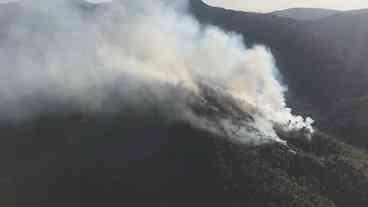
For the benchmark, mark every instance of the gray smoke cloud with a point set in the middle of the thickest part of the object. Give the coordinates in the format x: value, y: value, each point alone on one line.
x: 74, y: 52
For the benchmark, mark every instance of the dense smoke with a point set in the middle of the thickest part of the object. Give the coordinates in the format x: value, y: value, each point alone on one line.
x: 74, y: 53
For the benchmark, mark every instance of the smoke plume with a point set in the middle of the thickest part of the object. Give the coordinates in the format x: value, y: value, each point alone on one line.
x: 78, y: 53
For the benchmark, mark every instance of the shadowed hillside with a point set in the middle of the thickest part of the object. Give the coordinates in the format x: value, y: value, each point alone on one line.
x: 78, y: 159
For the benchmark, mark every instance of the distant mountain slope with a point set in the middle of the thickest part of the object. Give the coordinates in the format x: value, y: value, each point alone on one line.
x: 305, y: 13
x: 323, y: 62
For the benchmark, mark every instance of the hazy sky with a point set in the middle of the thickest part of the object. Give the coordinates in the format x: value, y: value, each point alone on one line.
x: 271, y: 5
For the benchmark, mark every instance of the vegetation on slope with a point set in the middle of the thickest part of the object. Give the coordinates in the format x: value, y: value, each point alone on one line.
x: 79, y: 160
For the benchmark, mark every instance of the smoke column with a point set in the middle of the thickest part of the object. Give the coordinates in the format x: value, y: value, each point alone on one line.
x: 74, y: 52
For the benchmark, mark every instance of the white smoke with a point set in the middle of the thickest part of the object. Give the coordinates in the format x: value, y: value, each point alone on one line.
x: 74, y: 51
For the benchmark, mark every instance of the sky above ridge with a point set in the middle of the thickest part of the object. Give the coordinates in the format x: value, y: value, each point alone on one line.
x: 272, y: 5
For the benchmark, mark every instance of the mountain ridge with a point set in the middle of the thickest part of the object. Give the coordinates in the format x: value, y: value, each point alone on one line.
x: 306, y: 14
x: 317, y: 59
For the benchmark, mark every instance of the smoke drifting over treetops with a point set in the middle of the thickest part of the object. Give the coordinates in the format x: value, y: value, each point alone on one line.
x: 76, y: 53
